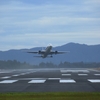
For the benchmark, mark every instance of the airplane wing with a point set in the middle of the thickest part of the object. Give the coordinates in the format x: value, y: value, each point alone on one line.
x: 32, y: 52
x: 58, y: 52
x: 37, y: 52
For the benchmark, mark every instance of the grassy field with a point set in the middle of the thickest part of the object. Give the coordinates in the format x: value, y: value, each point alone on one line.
x: 50, y: 96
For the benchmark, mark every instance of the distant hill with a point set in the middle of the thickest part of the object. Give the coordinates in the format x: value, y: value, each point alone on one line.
x: 78, y: 53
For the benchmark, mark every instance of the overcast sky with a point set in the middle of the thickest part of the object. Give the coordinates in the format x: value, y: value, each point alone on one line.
x: 34, y: 23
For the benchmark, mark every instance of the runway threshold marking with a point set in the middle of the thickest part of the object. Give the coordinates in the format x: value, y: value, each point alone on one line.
x: 37, y: 81
x: 94, y: 80
x: 8, y: 81
x: 67, y: 81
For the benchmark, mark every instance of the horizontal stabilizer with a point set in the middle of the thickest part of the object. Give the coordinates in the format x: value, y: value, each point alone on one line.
x: 43, y: 57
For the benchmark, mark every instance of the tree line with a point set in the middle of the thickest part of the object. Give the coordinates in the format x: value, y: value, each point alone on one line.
x: 9, y: 64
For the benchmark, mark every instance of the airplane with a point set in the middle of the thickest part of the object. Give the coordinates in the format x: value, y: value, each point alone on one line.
x: 47, y: 51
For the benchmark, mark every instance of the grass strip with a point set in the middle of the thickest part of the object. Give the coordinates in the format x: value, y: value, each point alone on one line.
x: 51, y: 96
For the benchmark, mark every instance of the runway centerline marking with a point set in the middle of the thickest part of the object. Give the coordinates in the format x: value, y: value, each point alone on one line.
x: 37, y: 81
x: 8, y: 81
x: 67, y: 81
x: 16, y: 75
x: 54, y: 78
x: 75, y: 71
x: 97, y: 74
x: 94, y: 80
x: 6, y: 77
x: 23, y: 73
x: 66, y: 74
x: 82, y: 74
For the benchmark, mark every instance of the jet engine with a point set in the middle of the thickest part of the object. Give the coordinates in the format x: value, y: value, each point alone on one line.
x: 39, y: 52
x: 56, y: 52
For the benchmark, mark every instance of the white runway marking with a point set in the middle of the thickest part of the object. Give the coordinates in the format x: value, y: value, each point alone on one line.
x: 6, y: 71
x: 15, y: 75
x: 37, y: 81
x: 23, y: 73
x: 74, y: 71
x: 54, y: 78
x: 2, y: 72
x: 6, y: 77
x: 82, y: 74
x: 66, y: 74
x: 8, y: 81
x: 67, y: 81
x: 97, y: 74
x: 94, y: 80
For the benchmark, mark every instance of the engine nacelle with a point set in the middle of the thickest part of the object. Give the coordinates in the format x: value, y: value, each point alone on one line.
x: 39, y: 52
x: 56, y: 52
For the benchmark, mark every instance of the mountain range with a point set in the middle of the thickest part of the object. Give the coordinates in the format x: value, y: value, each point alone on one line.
x: 78, y: 53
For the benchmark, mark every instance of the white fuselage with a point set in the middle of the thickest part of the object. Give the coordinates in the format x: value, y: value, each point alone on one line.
x: 47, y: 51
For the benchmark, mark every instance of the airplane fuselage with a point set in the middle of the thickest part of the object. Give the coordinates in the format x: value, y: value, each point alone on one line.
x: 47, y: 51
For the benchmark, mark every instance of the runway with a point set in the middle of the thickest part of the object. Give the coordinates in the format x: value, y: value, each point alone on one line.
x: 50, y: 80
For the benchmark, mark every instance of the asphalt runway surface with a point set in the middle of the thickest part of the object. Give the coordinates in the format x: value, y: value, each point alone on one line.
x: 50, y: 80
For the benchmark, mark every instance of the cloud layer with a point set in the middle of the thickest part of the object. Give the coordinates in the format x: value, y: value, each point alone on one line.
x: 30, y: 23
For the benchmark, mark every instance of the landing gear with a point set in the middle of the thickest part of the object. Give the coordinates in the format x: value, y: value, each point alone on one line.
x: 51, y: 56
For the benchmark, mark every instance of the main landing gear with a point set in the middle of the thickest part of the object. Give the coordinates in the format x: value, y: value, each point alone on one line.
x: 51, y: 56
